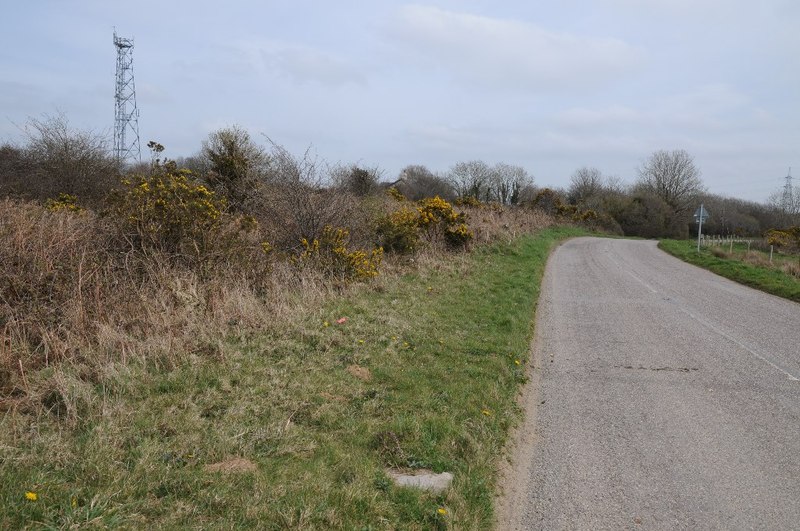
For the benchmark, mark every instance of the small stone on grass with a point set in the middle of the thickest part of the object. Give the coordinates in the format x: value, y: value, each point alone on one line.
x: 422, y: 479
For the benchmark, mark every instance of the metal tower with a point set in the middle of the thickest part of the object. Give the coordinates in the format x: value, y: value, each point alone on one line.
x: 788, y: 200
x: 126, y: 115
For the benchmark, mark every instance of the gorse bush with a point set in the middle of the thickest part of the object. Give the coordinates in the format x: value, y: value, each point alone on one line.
x: 168, y: 210
x: 401, y: 230
x: 395, y: 194
x: 330, y: 254
x: 436, y: 214
x: 458, y: 235
x: 435, y: 210
x: 554, y: 203
x: 236, y: 165
x: 64, y: 202
x: 788, y: 238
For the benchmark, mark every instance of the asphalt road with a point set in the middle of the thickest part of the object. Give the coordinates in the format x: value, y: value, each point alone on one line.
x: 662, y: 397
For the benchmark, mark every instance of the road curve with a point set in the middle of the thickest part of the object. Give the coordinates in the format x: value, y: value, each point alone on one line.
x: 662, y: 397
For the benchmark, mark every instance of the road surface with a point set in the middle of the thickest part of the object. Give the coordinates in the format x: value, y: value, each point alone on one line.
x: 662, y: 397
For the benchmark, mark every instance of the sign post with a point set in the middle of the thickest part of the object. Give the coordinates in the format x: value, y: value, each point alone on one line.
x: 700, y: 215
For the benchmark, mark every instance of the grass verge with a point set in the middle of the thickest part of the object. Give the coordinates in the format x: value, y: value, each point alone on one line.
x: 295, y: 428
x: 755, y: 275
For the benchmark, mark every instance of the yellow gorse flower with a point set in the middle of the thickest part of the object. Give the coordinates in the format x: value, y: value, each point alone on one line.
x: 330, y: 251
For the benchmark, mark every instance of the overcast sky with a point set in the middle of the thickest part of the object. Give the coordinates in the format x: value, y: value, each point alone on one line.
x: 551, y: 86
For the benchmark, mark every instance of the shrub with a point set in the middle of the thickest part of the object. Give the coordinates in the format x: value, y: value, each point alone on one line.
x: 434, y: 210
x: 330, y: 254
x: 60, y: 159
x: 399, y: 232
x: 168, y: 210
x: 417, y: 182
x: 395, y: 194
x: 643, y: 214
x: 458, y: 235
x: 585, y: 216
x: 236, y: 163
x: 355, y: 180
x: 296, y: 203
x: 468, y: 201
x: 64, y: 202
x: 548, y: 200
x: 785, y: 238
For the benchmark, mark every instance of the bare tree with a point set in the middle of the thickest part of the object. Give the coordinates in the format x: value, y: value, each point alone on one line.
x: 356, y: 180
x: 786, y: 205
x: 60, y: 159
x: 586, y: 183
x: 197, y: 163
x: 507, y: 182
x: 418, y: 182
x: 471, y: 179
x: 12, y: 170
x: 672, y: 176
x: 294, y: 202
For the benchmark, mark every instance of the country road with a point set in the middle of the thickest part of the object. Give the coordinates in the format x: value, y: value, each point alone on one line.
x: 662, y: 397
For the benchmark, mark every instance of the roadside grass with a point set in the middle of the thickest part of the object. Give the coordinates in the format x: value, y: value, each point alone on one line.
x: 294, y: 428
x: 751, y: 268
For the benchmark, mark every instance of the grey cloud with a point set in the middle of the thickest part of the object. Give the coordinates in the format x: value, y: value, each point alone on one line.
x: 707, y: 107
x: 510, y: 54
x: 301, y: 64
x: 581, y: 117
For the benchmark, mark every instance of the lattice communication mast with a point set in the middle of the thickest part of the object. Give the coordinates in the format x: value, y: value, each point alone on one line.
x: 126, y: 114
x: 788, y: 200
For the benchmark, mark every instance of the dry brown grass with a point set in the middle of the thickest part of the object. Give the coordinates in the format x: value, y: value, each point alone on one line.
x: 756, y: 258
x: 181, y: 364
x: 73, y: 294
x: 69, y: 293
x: 791, y: 268
x: 495, y: 224
x: 785, y: 263
x: 719, y: 252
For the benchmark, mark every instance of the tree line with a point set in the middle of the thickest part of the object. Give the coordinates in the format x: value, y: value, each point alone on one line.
x: 299, y: 191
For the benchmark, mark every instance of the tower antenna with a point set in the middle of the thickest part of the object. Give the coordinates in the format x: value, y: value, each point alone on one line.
x: 126, y: 114
x: 788, y: 200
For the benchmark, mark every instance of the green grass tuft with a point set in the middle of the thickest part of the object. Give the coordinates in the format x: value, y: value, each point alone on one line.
x: 762, y: 277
